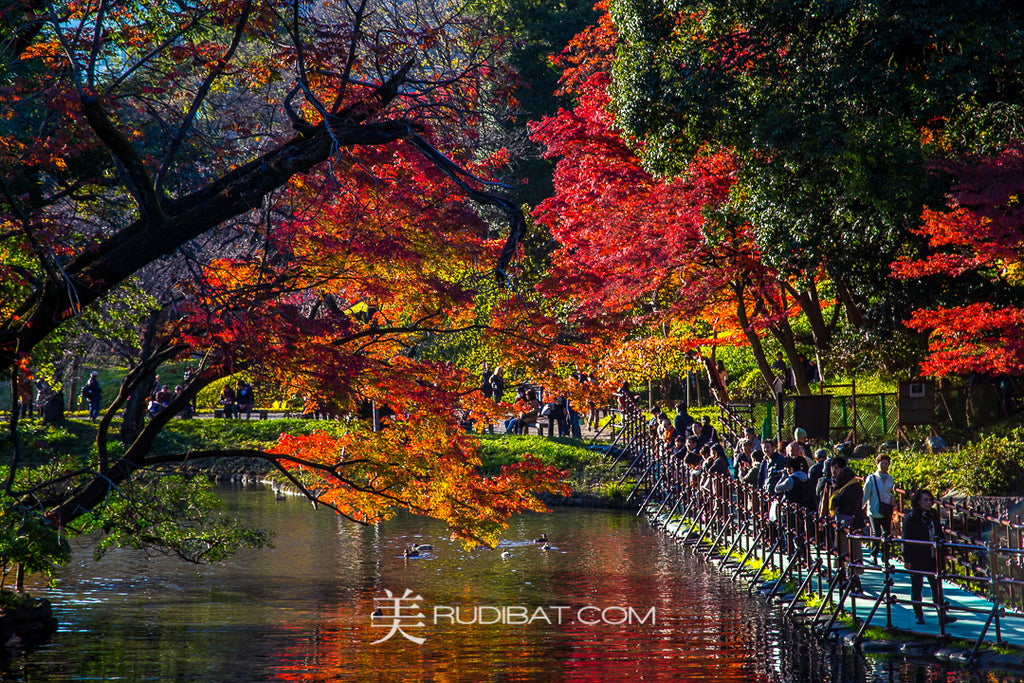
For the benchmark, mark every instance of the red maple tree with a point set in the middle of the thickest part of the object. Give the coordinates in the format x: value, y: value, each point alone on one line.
x: 307, y: 181
x: 978, y: 236
x: 638, y: 251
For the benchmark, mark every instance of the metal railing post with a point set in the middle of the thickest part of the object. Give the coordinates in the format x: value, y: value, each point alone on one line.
x: 746, y: 556
x: 764, y: 565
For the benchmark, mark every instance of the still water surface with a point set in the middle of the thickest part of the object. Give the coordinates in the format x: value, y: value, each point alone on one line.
x: 302, y: 610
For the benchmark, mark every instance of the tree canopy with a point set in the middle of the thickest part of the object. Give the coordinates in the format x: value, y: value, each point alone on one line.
x: 828, y: 108
x: 308, y: 182
x: 841, y: 121
x: 308, y: 193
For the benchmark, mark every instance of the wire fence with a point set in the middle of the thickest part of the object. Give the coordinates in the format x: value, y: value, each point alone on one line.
x: 875, y: 417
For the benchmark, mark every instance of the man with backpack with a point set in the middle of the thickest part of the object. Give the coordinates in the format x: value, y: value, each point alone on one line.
x: 794, y: 486
x: 794, y: 489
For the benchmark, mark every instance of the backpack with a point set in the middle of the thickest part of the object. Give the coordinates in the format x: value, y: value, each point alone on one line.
x: 795, y: 494
x: 810, y: 497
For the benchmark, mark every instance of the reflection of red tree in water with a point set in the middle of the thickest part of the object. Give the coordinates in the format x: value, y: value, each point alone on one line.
x: 700, y: 631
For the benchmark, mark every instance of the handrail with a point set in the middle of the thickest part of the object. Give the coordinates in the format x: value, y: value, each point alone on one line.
x: 718, y: 509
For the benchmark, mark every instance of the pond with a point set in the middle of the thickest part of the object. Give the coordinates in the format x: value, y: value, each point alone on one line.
x: 611, y: 599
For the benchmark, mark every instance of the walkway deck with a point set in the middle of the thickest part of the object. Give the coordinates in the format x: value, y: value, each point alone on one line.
x: 972, y: 612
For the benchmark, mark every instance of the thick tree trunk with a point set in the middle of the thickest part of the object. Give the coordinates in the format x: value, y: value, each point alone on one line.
x: 853, y: 313
x: 135, y: 406
x: 163, y: 226
x: 809, y: 303
x: 783, y: 333
x: 756, y: 347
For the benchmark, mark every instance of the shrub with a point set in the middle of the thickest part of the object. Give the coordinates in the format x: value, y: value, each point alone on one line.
x: 994, y: 465
x: 991, y: 466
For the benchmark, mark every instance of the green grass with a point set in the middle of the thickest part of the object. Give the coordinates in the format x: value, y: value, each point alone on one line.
x: 563, y: 453
x: 877, y: 633
x: 812, y: 600
x: 75, y: 438
x: 42, y: 444
x: 183, y: 435
x: 614, y: 492
x: 586, y: 469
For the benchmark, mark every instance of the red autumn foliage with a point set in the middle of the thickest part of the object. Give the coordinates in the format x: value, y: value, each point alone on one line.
x: 981, y: 234
x: 304, y: 181
x: 639, y: 251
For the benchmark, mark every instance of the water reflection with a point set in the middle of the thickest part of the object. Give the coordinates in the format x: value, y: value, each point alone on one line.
x: 301, y: 611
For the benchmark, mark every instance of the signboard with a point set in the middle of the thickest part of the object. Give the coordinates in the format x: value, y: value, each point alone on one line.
x: 813, y: 414
x: 915, y: 403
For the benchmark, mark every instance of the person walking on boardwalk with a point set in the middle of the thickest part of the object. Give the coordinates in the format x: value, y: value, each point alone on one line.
x: 878, y: 501
x: 923, y: 558
x: 845, y: 507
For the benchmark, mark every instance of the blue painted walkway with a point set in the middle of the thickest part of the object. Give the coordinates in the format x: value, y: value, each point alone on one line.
x: 968, y: 626
x: 971, y: 611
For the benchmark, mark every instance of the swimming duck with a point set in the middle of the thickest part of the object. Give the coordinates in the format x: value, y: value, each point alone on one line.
x: 411, y: 552
x: 505, y: 555
x: 546, y: 546
x: 543, y: 538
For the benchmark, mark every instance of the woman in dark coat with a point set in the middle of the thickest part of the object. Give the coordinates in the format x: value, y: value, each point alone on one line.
x: 922, y: 524
x: 845, y: 506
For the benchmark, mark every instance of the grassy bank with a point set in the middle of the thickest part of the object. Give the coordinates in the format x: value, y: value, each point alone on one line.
x: 585, y: 467
x: 75, y: 439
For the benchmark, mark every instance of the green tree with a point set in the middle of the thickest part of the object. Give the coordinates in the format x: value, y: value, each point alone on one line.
x: 829, y: 106
x: 539, y: 31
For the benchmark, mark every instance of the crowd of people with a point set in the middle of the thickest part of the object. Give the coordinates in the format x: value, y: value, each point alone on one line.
x: 235, y: 401
x: 530, y: 408
x: 815, y: 480
x: 785, y: 470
